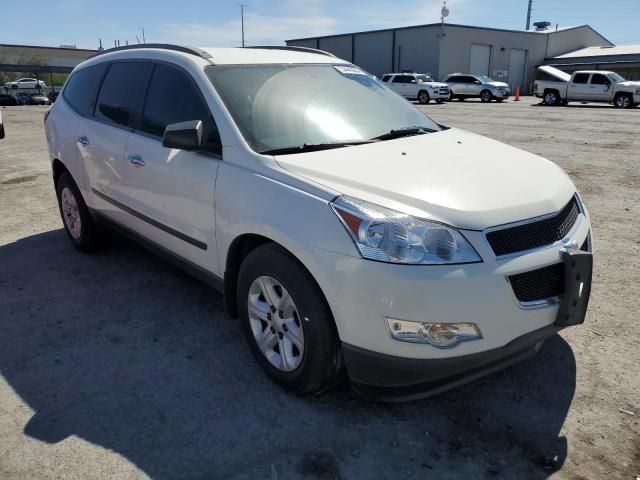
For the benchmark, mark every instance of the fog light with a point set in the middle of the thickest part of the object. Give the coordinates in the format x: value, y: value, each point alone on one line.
x: 441, y: 335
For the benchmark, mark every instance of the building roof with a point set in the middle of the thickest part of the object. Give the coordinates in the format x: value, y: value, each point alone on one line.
x: 8, y: 45
x: 549, y: 31
x: 603, y: 51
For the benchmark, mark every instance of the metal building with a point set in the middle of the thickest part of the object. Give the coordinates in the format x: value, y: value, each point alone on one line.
x: 623, y: 59
x: 505, y: 55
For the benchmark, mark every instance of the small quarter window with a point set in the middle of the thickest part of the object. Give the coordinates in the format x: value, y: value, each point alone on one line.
x: 82, y: 88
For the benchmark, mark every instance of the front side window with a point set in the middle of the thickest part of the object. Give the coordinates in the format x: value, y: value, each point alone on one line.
x: 81, y: 89
x: 172, y: 98
x: 599, y: 79
x: 122, y: 93
x: 293, y: 105
x: 423, y: 78
x: 401, y: 79
x: 581, y: 78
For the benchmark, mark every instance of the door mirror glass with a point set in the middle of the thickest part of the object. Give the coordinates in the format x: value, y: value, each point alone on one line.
x: 183, y: 135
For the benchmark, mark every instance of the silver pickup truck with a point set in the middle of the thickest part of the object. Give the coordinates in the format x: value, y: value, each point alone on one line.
x: 586, y: 86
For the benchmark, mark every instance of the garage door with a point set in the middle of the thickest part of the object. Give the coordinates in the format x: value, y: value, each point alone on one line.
x: 479, y: 59
x: 516, y: 68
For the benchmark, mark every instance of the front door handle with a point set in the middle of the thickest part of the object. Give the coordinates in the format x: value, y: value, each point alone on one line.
x: 136, y: 160
x: 83, y: 140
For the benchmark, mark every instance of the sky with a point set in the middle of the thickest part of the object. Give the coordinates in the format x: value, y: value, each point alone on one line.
x: 216, y: 23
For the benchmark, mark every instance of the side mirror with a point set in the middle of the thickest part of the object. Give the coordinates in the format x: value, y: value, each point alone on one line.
x: 183, y: 135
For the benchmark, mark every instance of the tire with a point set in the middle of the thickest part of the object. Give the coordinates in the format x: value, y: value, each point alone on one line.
x: 486, y: 96
x: 423, y: 97
x: 623, y: 100
x: 84, y: 235
x: 319, y: 365
x: 551, y: 98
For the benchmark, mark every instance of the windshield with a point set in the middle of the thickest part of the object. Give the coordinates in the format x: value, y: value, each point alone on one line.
x: 423, y: 78
x: 282, y: 106
x: 485, y: 79
x: 616, y: 78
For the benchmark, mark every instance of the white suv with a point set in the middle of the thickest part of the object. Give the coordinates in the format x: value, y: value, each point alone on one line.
x: 476, y: 86
x: 417, y: 86
x: 348, y: 231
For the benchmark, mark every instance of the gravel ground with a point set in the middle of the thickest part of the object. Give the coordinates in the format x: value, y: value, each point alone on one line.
x: 117, y: 365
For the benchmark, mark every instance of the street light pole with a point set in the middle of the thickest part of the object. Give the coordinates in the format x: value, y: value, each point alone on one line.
x: 242, y: 5
x: 529, y: 14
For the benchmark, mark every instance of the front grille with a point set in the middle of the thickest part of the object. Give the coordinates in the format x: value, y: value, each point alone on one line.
x: 535, y: 234
x: 538, y: 284
x: 543, y: 283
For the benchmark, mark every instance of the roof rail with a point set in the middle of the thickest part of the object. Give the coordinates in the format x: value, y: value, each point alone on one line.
x: 163, y: 46
x: 294, y: 49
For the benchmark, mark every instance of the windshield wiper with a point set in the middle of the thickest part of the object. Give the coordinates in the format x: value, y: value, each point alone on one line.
x: 313, y: 147
x: 404, y: 132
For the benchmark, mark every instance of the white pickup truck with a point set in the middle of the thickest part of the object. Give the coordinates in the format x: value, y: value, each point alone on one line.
x: 586, y: 86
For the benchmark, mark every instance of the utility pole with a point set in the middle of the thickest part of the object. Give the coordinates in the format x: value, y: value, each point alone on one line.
x: 529, y: 14
x: 242, y: 5
x: 144, y: 40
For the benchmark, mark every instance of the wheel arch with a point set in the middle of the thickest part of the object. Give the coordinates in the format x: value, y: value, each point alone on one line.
x: 58, y: 168
x: 238, y: 250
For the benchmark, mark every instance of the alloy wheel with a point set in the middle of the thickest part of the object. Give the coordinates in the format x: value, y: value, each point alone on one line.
x: 550, y: 98
x: 71, y: 213
x: 623, y: 101
x: 276, y: 323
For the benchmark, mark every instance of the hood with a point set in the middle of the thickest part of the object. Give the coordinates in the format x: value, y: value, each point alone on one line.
x: 455, y: 177
x: 497, y: 84
x: 555, y: 73
x: 629, y: 83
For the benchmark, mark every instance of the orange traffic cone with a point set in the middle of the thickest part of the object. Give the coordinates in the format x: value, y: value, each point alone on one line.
x: 517, y: 99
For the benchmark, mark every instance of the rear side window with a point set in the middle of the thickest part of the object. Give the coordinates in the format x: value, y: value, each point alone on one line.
x: 454, y: 79
x: 82, y: 88
x: 173, y: 97
x: 122, y: 93
x: 581, y: 78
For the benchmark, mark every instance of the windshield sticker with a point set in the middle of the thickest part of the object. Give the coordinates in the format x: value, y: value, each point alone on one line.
x: 349, y: 70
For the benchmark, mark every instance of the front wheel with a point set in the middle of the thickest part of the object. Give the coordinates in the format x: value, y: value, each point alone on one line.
x: 623, y: 101
x: 287, y: 322
x: 485, y: 96
x: 76, y: 218
x: 423, y: 97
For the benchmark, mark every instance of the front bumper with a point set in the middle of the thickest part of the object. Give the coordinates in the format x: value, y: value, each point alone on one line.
x: 389, y: 378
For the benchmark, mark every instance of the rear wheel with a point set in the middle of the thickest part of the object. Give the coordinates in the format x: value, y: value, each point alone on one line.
x: 623, y: 100
x: 551, y: 98
x: 423, y: 97
x: 486, y: 96
x: 287, y: 322
x: 76, y: 218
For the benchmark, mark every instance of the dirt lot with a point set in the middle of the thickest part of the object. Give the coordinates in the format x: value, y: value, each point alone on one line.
x: 117, y: 365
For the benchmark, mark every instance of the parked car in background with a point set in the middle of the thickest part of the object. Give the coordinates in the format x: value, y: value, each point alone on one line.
x: 586, y: 86
x: 8, y: 100
x: 25, y: 98
x: 354, y: 235
x: 26, y: 83
x: 476, y: 86
x: 417, y: 86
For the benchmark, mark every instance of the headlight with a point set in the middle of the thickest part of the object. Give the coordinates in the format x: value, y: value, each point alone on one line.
x: 386, y: 235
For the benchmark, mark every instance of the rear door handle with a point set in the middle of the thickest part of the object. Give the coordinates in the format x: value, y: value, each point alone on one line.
x: 83, y: 140
x: 136, y: 160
